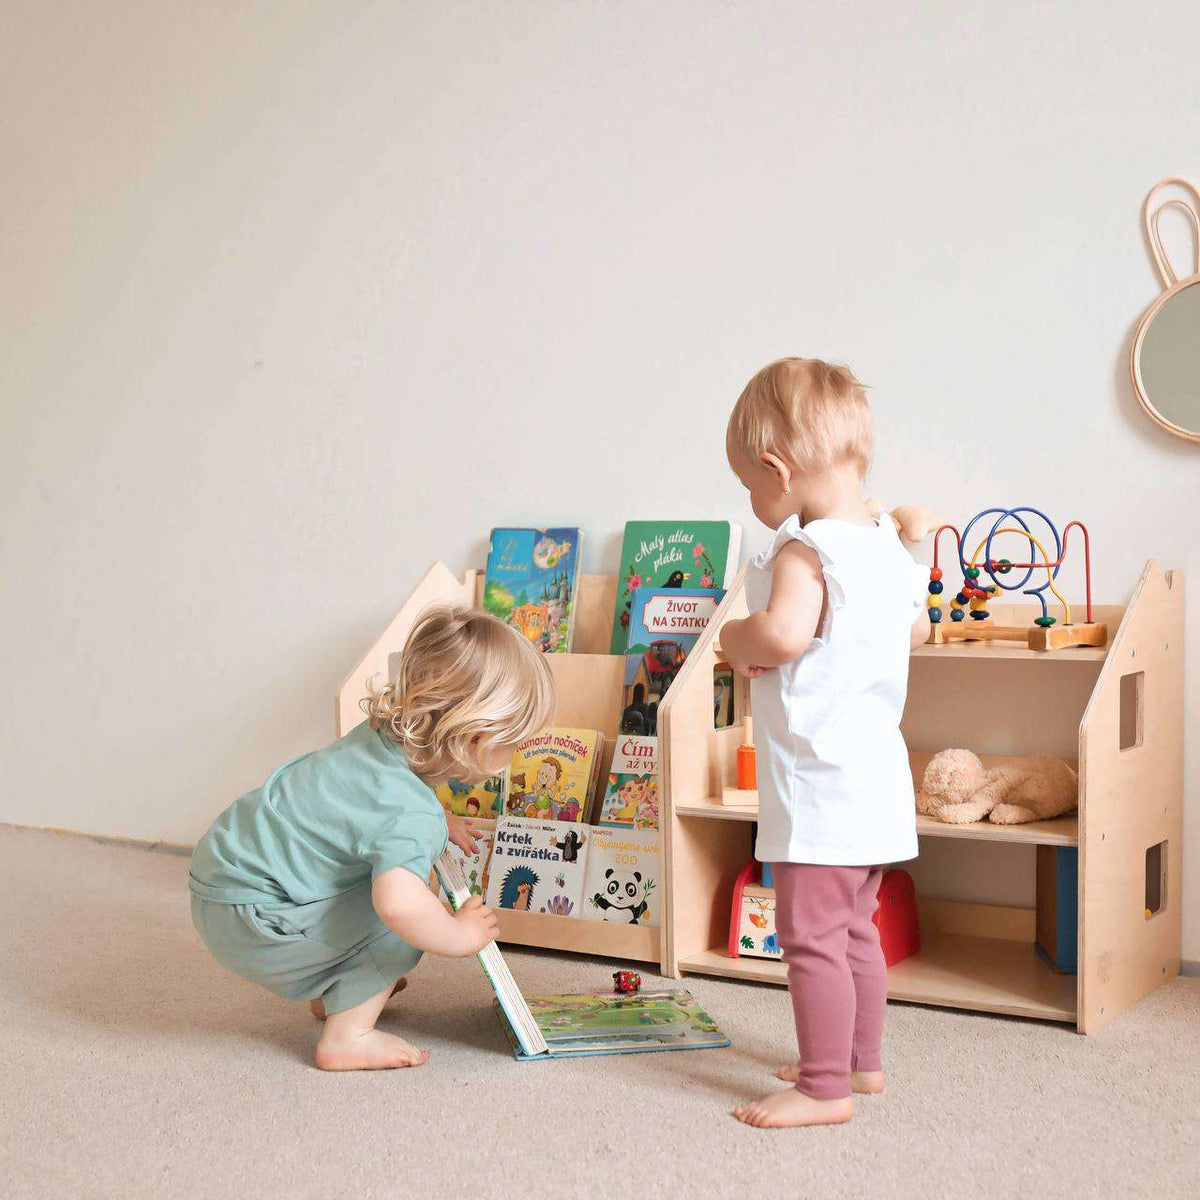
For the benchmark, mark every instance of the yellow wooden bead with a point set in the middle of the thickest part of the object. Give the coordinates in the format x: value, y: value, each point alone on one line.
x: 978, y: 602
x: 934, y: 601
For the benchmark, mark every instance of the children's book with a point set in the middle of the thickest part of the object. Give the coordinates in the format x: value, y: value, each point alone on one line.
x: 631, y: 793
x: 671, y: 554
x: 606, y: 1023
x: 552, y: 774
x: 538, y: 866
x: 599, y: 1023
x: 621, y: 883
x: 519, y: 1024
x: 484, y: 800
x: 531, y: 581
x: 474, y: 867
x: 665, y: 625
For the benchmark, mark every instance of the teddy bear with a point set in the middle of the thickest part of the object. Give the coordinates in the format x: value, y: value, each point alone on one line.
x: 958, y: 789
x: 914, y: 522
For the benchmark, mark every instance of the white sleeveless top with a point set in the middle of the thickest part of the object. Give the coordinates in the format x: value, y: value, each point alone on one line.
x: 834, y: 784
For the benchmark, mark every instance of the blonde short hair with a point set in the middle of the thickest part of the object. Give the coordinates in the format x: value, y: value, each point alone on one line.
x: 810, y: 413
x: 466, y: 682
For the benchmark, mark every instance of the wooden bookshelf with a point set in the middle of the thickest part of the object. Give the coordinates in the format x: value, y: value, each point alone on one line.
x: 588, y: 683
x: 1013, y: 702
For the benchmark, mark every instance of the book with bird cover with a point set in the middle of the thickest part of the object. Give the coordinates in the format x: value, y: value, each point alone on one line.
x: 546, y: 1027
x: 671, y: 554
x: 531, y: 582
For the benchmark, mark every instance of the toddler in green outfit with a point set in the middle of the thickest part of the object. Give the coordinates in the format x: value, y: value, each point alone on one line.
x: 316, y: 885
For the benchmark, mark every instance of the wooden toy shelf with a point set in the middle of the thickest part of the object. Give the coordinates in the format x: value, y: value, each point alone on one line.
x: 589, y: 686
x: 1115, y: 710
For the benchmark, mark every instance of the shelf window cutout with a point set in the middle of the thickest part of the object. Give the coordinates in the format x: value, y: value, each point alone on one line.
x: 1156, y: 879
x: 1132, y: 688
x: 723, y: 696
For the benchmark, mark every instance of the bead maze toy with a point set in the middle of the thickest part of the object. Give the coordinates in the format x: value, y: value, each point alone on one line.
x: 971, y: 600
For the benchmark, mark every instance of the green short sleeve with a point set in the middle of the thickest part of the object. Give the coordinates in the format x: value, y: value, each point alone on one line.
x: 412, y: 842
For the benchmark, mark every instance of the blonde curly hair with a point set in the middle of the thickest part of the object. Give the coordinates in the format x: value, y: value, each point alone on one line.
x: 467, y: 683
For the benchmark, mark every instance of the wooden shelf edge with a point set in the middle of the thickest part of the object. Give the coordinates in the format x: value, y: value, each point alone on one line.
x: 979, y: 974
x: 608, y: 939
x: 1058, y: 831
x: 956, y: 649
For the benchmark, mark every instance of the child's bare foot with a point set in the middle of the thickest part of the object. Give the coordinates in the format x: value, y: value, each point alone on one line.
x: 317, y: 1006
x: 366, y: 1050
x: 867, y: 1083
x: 790, y: 1107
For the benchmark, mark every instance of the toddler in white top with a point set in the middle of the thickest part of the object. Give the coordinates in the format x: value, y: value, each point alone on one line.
x: 836, y: 606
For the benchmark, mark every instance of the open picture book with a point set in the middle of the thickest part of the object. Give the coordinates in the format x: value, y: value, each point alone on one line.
x: 587, y: 1024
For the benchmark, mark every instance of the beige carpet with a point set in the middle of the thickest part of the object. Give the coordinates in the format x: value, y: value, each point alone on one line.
x: 134, y: 1066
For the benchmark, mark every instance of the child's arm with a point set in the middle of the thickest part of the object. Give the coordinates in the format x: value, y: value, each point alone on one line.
x: 785, y: 628
x: 410, y: 910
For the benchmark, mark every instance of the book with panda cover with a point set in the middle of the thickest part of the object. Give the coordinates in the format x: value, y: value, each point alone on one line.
x: 531, y: 582
x: 631, y: 793
x: 622, y: 879
x: 671, y: 554
x: 538, y: 866
x: 553, y: 774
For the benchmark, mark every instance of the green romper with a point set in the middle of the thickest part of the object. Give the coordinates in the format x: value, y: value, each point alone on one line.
x: 281, y: 883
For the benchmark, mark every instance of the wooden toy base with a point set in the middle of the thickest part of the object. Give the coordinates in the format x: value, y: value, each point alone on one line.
x: 1035, y: 637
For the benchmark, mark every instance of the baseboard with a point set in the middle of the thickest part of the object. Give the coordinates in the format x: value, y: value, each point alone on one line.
x: 1189, y: 968
x: 105, y: 839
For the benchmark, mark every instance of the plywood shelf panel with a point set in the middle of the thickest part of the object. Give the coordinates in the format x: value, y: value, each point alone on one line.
x: 954, y: 971
x: 1059, y: 831
x: 608, y: 938
x: 959, y: 649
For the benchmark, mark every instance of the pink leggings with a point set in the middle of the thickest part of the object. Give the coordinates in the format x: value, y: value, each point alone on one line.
x: 836, y: 971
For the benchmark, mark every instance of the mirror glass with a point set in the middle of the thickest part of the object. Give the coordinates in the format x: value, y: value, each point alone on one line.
x: 1168, y: 360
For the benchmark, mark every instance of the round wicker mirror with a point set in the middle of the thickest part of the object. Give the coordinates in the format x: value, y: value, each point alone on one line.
x: 1165, y: 361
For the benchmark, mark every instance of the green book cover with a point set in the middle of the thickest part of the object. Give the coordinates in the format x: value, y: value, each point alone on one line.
x: 606, y: 1023
x: 658, y: 554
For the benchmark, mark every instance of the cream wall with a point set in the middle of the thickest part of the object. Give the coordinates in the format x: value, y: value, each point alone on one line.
x: 299, y: 297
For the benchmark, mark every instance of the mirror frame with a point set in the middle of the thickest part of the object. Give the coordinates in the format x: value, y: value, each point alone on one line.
x: 1172, y: 284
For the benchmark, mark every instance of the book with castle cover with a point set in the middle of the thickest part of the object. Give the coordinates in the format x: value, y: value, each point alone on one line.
x: 538, y: 866
x: 531, y: 582
x: 552, y: 774
x: 664, y: 627
x: 622, y: 880
x: 483, y: 800
x: 475, y: 866
x: 671, y: 554
x: 631, y: 793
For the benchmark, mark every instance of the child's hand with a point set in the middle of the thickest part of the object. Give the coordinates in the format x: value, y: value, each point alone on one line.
x: 462, y: 834
x: 731, y: 640
x: 476, y: 925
